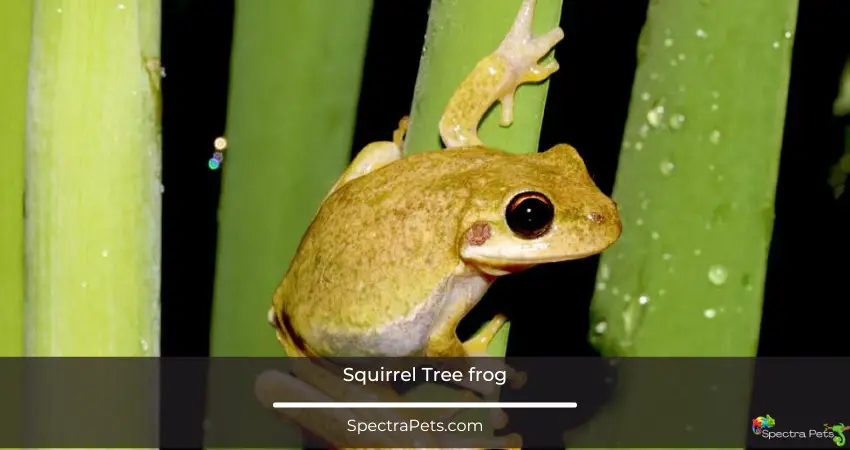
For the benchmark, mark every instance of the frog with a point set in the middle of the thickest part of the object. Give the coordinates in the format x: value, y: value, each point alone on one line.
x: 404, y: 246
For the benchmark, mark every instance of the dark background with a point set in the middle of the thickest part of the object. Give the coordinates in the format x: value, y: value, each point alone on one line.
x: 806, y: 293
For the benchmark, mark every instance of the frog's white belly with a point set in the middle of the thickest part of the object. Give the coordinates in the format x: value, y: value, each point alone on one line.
x: 409, y: 335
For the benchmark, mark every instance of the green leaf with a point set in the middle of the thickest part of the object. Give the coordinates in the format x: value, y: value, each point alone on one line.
x: 93, y: 180
x: 295, y: 79
x: 15, y: 36
x: 696, y: 182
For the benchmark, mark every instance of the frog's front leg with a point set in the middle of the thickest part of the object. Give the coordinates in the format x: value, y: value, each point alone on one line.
x: 496, y: 78
x: 374, y: 156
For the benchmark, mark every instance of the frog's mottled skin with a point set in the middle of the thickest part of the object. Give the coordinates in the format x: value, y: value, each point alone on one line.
x: 387, y: 269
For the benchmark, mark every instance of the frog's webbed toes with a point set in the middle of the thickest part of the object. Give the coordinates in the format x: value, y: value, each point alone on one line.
x: 507, y: 109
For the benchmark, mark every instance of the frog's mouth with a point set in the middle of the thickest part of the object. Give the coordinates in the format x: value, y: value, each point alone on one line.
x: 501, y: 266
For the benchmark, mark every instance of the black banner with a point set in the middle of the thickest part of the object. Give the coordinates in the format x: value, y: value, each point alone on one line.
x: 572, y: 402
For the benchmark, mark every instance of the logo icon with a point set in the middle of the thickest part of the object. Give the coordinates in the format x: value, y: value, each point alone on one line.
x: 762, y: 423
x: 838, y: 431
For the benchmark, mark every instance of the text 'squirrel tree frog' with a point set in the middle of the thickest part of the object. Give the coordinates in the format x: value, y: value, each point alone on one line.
x: 403, y: 247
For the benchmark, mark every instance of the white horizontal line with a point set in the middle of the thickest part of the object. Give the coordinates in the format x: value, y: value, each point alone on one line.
x: 424, y: 405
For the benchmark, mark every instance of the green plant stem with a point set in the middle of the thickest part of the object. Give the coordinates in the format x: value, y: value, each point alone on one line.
x: 696, y: 182
x: 15, y: 33
x: 296, y: 71
x: 460, y: 33
x: 93, y: 204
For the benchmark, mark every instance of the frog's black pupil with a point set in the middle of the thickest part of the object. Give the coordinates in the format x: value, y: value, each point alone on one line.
x: 529, y: 215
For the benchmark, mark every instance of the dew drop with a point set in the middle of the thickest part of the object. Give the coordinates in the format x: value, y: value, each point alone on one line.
x: 714, y: 137
x: 604, y: 271
x: 661, y: 292
x: 655, y: 116
x: 644, y: 130
x: 668, y: 42
x: 600, y: 286
x: 627, y: 144
x: 654, y: 76
x: 645, y: 96
x: 666, y: 256
x: 600, y: 327
x: 638, y: 146
x: 717, y: 274
x: 161, y: 188
x: 715, y: 106
x: 709, y: 313
x: 643, y: 299
x: 701, y: 33
x: 674, y: 62
x: 644, y: 204
x: 144, y: 345
x: 655, y: 235
x: 639, y: 221
x: 667, y: 167
x: 681, y: 56
x: 84, y: 284
x: 121, y: 6
x: 697, y: 252
x: 162, y: 72
x: 627, y: 298
x: 104, y: 253
x: 677, y: 121
x: 59, y: 10
x: 615, y: 291
x: 711, y: 167
x: 775, y: 44
x: 788, y: 35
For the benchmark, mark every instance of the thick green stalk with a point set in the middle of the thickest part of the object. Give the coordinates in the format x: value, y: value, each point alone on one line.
x: 460, y: 33
x: 295, y: 78
x: 15, y: 34
x: 93, y: 205
x: 696, y: 181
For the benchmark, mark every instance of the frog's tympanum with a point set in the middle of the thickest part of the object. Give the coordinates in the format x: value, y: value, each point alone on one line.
x: 404, y: 246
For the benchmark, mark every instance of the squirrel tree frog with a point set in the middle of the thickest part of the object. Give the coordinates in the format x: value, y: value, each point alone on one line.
x: 404, y: 246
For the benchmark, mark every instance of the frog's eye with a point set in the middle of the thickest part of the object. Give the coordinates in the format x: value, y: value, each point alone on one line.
x: 530, y: 214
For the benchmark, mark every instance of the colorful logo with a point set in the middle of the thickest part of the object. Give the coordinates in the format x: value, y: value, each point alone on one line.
x: 761, y: 423
x: 838, y: 431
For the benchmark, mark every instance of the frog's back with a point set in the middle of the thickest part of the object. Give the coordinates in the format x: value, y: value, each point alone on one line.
x: 381, y: 251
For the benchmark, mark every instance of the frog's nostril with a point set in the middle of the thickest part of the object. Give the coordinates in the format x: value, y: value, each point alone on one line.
x: 596, y: 217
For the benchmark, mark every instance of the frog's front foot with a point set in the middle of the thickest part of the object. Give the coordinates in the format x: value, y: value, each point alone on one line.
x: 523, y: 52
x: 477, y: 346
x: 496, y: 78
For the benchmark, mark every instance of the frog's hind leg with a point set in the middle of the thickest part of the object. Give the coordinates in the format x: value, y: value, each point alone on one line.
x: 374, y: 156
x: 496, y: 78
